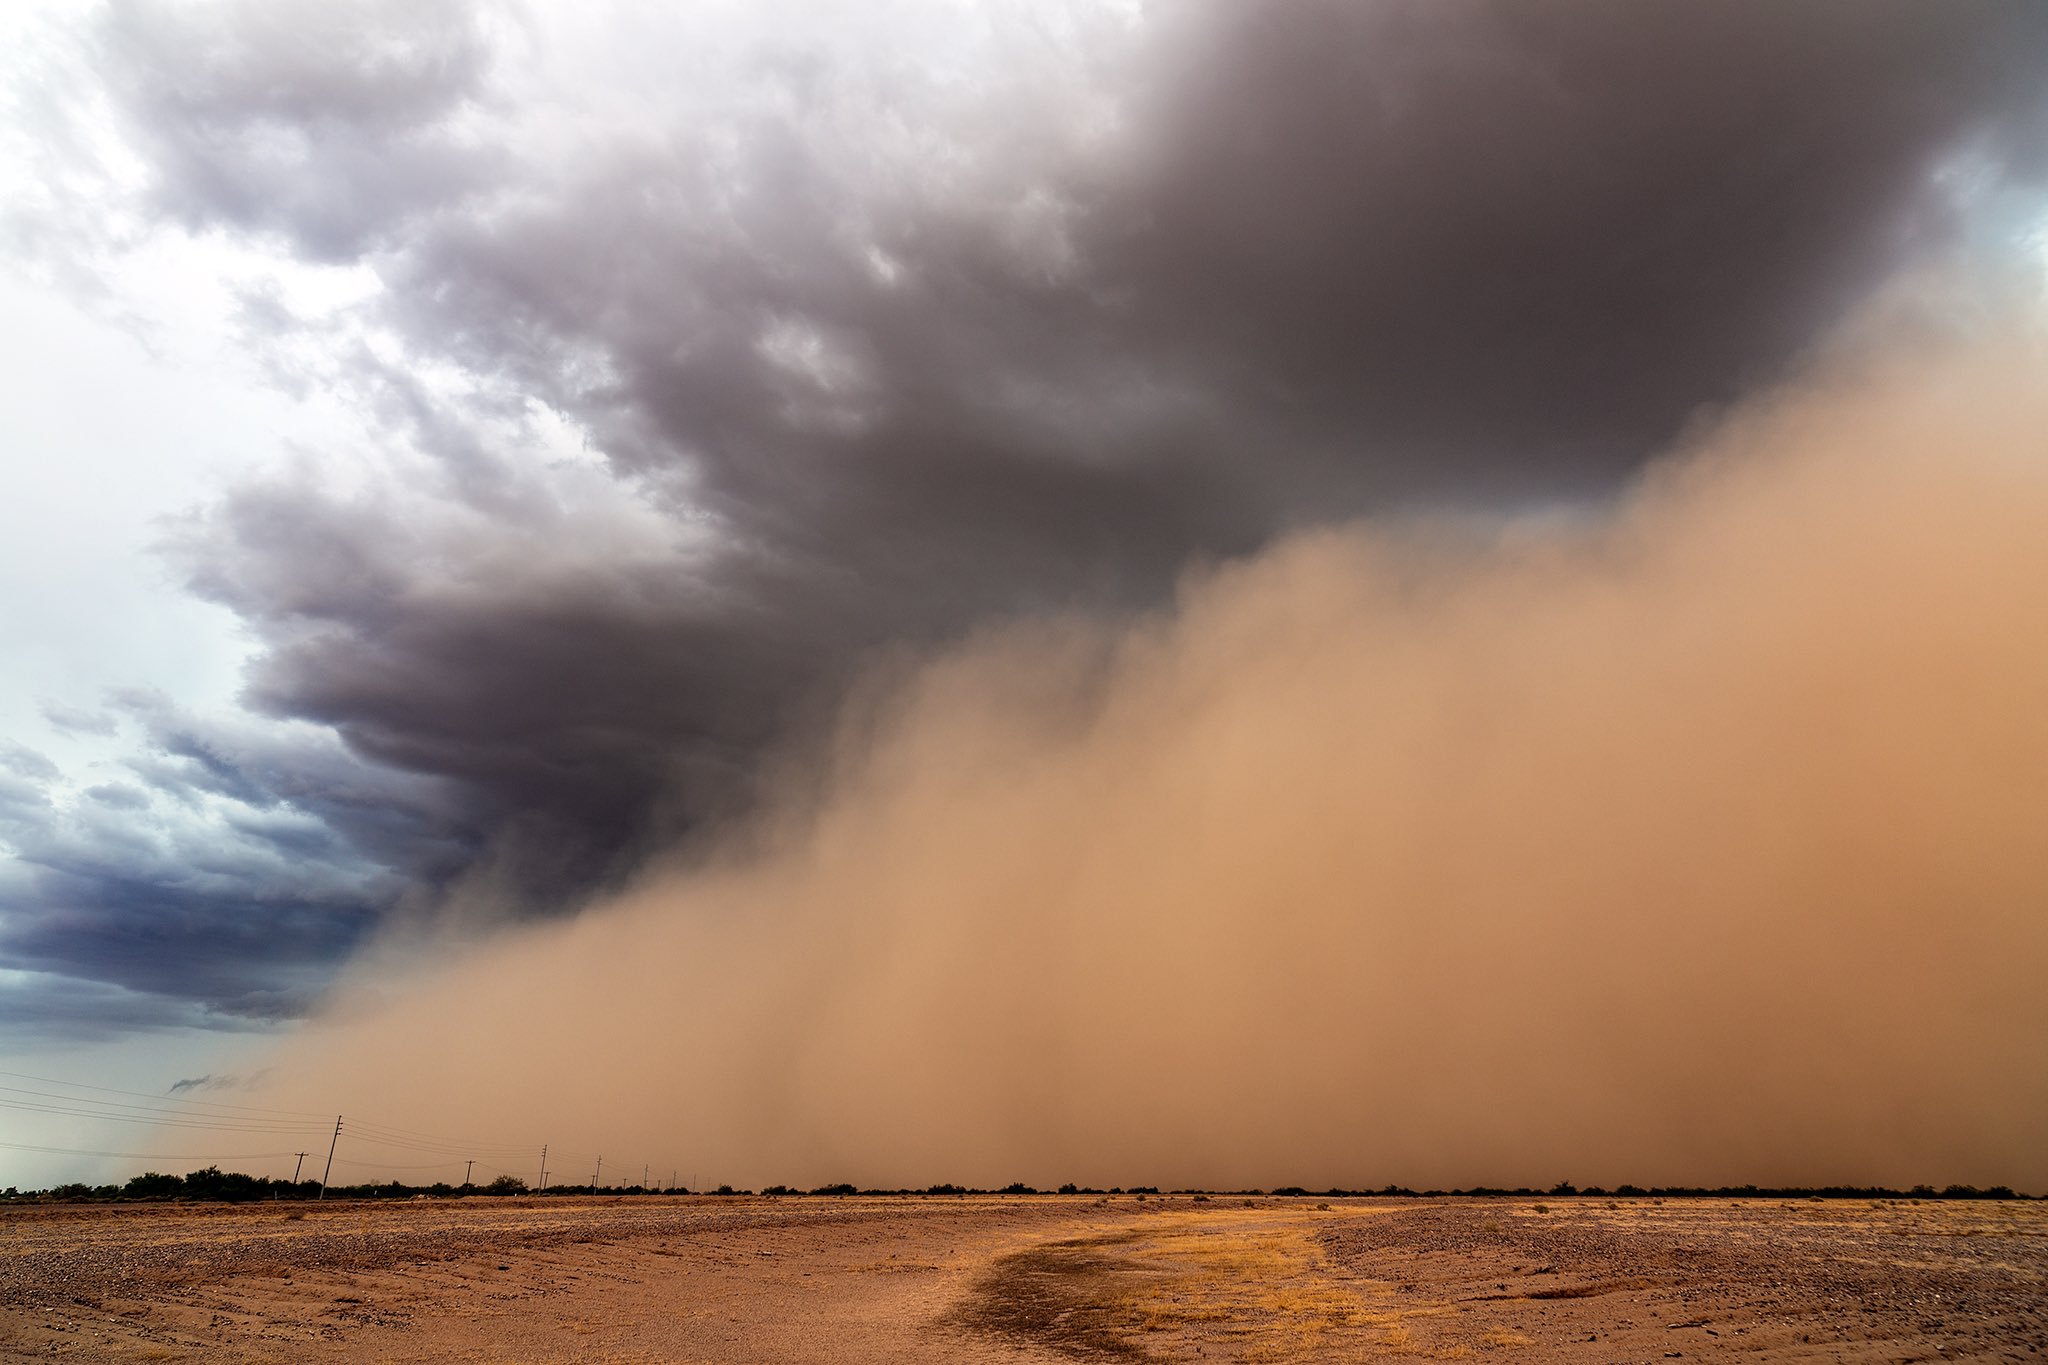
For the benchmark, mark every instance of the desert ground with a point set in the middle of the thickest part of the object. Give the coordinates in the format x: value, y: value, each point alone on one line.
x: 1027, y: 1278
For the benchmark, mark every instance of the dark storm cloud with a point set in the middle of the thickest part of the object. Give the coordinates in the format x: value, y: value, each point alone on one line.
x: 1519, y: 243
x: 270, y: 776
x: 890, y: 352
x: 218, y: 892
x: 186, y: 941
x: 43, y: 1008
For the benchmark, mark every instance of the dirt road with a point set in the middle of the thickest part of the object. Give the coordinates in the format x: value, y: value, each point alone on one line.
x: 1026, y: 1279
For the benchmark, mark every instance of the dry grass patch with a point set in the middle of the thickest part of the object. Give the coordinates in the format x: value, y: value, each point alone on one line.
x: 1259, y: 1284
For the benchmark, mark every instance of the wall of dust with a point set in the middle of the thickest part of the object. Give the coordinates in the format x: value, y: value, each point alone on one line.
x: 1699, y: 838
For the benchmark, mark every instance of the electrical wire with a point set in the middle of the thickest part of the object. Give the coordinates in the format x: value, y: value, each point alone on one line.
x: 162, y: 1122
x: 194, y: 1115
x: 143, y: 1095
x: 150, y: 1156
x: 79, y: 1104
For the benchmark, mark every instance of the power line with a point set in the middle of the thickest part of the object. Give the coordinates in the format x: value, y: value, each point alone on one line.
x: 161, y: 1121
x: 370, y: 1133
x: 147, y: 1156
x: 192, y: 1115
x: 179, y: 1112
x: 144, y: 1095
x: 331, y: 1142
x: 44, y: 1095
x: 73, y: 1107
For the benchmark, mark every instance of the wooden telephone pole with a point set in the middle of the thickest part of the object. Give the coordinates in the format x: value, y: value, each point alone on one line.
x: 330, y: 1156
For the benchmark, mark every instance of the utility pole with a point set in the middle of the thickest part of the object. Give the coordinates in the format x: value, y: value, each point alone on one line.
x: 598, y: 1172
x: 295, y: 1167
x: 330, y: 1156
x: 467, y: 1167
x: 543, y: 1168
x: 643, y: 1177
x: 672, y: 1181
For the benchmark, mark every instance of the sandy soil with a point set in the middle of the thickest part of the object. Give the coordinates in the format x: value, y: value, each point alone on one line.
x: 1026, y: 1279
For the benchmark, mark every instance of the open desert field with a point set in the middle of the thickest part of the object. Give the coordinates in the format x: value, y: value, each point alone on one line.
x: 1027, y: 1279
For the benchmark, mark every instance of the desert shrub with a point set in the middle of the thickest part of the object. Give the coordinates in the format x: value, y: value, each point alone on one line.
x: 506, y: 1184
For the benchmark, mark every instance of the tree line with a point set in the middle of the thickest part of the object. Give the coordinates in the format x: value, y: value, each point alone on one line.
x: 214, y: 1184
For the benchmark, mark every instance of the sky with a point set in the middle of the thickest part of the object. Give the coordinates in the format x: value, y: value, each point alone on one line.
x: 492, y: 480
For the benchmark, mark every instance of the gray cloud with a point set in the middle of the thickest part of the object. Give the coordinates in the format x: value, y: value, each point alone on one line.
x: 24, y: 762
x: 867, y: 353
x: 325, y: 124
x: 78, y: 720
x: 46, y: 1007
